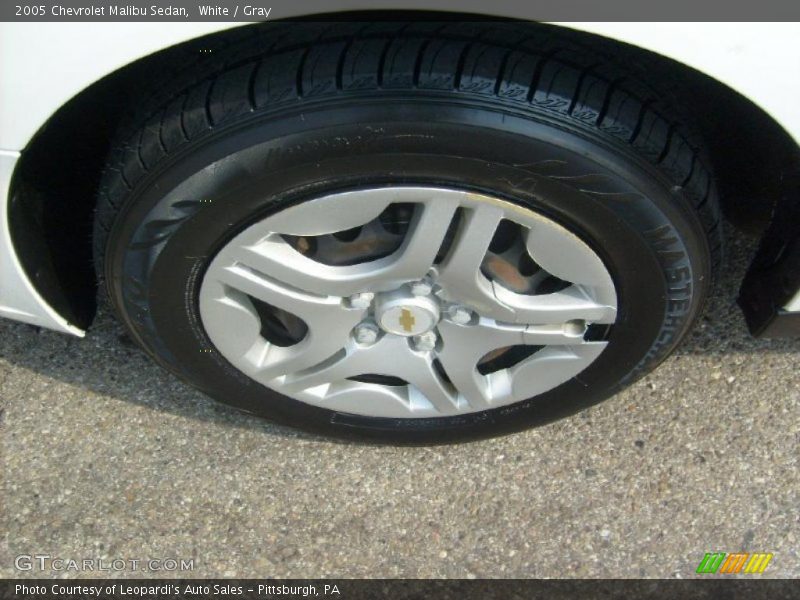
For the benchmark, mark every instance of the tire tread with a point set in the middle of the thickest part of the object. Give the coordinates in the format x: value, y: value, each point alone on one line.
x: 520, y: 65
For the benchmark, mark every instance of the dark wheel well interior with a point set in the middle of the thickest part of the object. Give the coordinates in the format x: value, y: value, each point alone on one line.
x: 54, y: 186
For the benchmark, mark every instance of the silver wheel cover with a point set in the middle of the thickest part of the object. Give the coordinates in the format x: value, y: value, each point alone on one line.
x: 374, y: 317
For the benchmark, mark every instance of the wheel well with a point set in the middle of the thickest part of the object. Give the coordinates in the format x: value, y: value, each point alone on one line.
x: 55, y: 184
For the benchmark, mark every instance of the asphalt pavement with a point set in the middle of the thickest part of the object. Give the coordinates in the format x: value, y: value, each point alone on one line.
x: 106, y: 457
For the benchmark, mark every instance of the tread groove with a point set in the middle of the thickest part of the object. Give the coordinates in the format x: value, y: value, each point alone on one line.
x: 418, y: 63
x: 161, y: 133
x: 579, y: 86
x: 637, y: 129
x: 701, y: 205
x: 251, y: 85
x: 207, y: 104
x: 382, y: 62
x: 691, y: 170
x: 667, y: 145
x: 612, y: 87
x: 300, y: 69
x: 537, y: 74
x: 501, y: 72
x: 182, y: 118
x: 124, y: 179
x: 462, y: 60
x: 139, y: 145
x: 339, y: 79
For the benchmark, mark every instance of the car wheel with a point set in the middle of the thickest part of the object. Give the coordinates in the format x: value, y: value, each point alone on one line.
x: 408, y: 233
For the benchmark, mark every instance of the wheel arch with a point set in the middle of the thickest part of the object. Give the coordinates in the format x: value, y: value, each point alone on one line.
x: 51, y: 201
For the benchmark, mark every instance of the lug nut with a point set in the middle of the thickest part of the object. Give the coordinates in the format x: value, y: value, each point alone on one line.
x: 425, y: 342
x: 421, y: 288
x: 459, y: 315
x: 362, y: 300
x: 366, y: 333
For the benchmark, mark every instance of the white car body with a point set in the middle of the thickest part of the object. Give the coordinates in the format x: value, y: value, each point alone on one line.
x: 44, y: 65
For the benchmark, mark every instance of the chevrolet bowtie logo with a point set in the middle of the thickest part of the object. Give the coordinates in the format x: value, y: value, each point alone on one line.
x: 407, y: 320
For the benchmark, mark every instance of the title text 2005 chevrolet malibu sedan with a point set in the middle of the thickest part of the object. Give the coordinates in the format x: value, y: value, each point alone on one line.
x: 412, y: 231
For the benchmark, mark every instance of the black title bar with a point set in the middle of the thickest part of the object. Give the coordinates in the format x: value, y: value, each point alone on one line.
x: 711, y: 588
x: 262, y: 10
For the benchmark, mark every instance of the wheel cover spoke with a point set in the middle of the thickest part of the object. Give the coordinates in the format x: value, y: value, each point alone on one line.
x: 483, y: 345
x: 460, y: 272
x: 229, y: 301
x: 414, y: 367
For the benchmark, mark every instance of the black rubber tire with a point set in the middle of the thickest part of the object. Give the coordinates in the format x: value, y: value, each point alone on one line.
x: 515, y: 111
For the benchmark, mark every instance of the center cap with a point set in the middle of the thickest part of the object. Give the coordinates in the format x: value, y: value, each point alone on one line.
x: 406, y: 315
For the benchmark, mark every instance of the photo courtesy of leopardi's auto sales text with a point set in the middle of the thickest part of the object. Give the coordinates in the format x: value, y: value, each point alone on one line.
x: 399, y: 299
